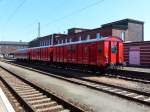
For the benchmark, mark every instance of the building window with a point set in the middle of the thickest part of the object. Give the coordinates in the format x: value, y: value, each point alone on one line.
x: 98, y: 36
x: 80, y: 38
x: 66, y: 40
x: 123, y: 35
x: 58, y: 41
x: 88, y: 37
x: 49, y: 41
x: 45, y: 43
x: 70, y: 40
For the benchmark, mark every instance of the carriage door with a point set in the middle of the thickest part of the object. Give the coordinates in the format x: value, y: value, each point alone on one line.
x: 134, y: 56
x: 114, y: 52
x: 92, y: 53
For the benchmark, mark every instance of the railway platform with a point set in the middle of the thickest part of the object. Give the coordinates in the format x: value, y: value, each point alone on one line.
x: 5, y: 106
x: 137, y: 69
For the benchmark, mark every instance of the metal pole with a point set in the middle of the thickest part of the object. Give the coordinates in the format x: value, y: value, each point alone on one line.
x: 52, y: 40
x: 39, y: 29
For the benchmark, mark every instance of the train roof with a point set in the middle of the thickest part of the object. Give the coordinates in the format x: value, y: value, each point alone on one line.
x: 91, y: 40
x: 74, y: 43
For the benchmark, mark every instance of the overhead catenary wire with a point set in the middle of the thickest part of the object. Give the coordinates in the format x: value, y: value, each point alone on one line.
x: 75, y: 12
x: 71, y: 14
x: 12, y: 15
x: 15, y: 11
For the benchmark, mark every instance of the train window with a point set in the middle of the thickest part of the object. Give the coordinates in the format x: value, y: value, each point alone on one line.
x: 123, y: 35
x: 80, y: 38
x: 88, y: 37
x: 86, y: 49
x: 114, y: 49
x: 98, y: 36
x: 71, y: 49
x: 70, y: 40
x: 66, y: 40
x: 100, y: 50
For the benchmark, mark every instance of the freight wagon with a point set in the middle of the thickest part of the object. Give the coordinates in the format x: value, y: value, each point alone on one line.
x: 92, y: 54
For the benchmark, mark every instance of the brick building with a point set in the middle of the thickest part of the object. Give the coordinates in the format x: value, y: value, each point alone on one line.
x: 127, y: 29
x: 8, y: 47
x: 45, y: 40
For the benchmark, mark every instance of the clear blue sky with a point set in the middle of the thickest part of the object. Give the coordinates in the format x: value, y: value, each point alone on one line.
x: 19, y: 18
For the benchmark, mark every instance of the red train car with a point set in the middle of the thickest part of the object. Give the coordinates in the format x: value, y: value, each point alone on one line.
x: 44, y: 54
x: 94, y: 53
x: 21, y: 54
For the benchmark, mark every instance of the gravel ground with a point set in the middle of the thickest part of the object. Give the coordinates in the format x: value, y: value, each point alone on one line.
x: 98, y: 101
x: 121, y: 82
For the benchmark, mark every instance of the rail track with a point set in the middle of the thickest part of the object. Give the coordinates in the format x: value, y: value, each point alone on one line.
x: 130, y: 94
x: 33, y: 98
x: 121, y: 76
x: 126, y: 75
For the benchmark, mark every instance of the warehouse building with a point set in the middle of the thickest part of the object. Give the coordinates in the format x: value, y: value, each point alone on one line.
x: 8, y: 47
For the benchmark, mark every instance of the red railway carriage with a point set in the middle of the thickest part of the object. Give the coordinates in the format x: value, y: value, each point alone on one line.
x: 96, y: 52
x: 21, y: 54
x: 99, y: 53
x: 41, y: 53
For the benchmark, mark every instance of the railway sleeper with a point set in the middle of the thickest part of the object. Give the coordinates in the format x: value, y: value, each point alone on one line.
x: 40, y: 101
x: 35, y: 98
x: 121, y: 92
x: 32, y: 95
x: 65, y: 110
x: 53, y: 109
x: 24, y: 90
x: 147, y: 100
x: 114, y: 90
x: 15, y: 82
x: 28, y: 93
x: 45, y: 105
x: 131, y: 94
x: 20, y: 87
x: 19, y: 84
x: 139, y: 97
